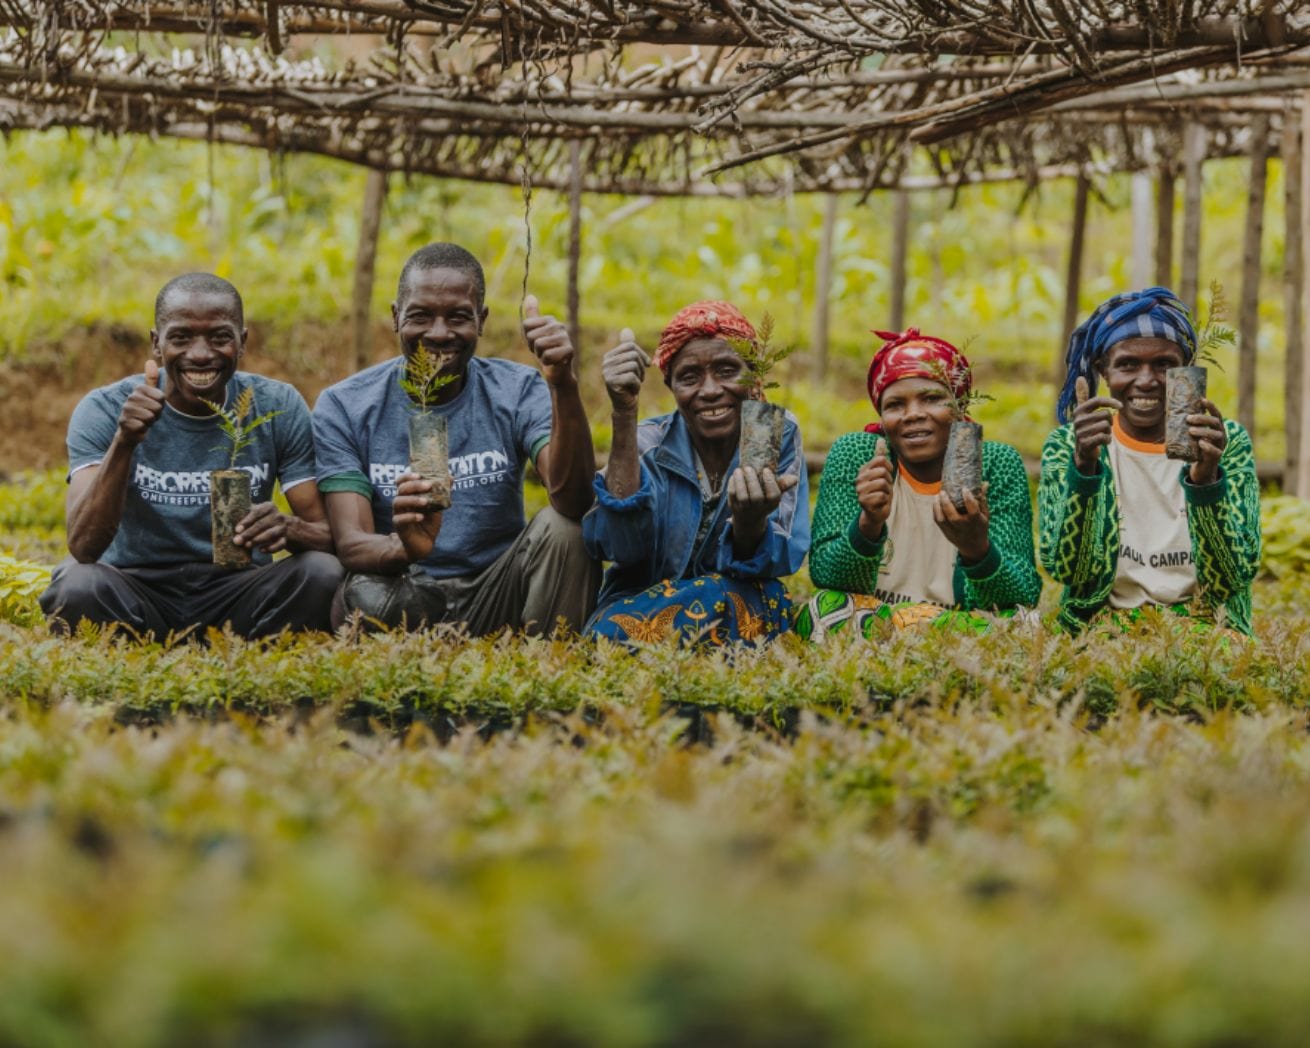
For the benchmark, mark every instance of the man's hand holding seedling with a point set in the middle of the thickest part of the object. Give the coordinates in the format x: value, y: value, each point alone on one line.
x: 265, y: 528
x: 416, y: 522
x: 873, y: 489
x: 142, y: 408
x: 549, y: 341
x: 1092, y: 427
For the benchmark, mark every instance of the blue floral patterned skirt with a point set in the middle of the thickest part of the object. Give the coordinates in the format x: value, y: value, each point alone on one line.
x: 709, y: 610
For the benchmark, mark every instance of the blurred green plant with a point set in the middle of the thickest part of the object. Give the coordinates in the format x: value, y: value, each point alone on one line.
x: 1285, y: 523
x: 21, y: 582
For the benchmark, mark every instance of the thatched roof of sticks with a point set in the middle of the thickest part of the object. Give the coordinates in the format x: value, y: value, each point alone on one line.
x: 668, y: 96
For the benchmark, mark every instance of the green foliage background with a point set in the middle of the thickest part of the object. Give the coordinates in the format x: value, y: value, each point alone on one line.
x: 90, y: 228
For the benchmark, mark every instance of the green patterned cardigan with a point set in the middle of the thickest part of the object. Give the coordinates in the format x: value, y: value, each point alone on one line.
x: 1079, y: 517
x: 841, y: 558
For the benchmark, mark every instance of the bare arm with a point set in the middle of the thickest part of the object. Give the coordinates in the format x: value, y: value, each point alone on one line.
x: 360, y: 548
x: 624, y: 367
x: 97, y: 494
x: 94, y: 504
x: 568, y: 463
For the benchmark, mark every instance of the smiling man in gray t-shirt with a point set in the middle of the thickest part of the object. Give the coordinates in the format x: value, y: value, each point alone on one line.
x: 140, y: 452
x: 479, y: 562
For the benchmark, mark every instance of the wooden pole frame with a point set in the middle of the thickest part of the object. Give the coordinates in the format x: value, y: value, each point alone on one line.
x: 1193, y: 157
x: 823, y: 290
x: 1249, y: 312
x: 1293, y: 268
x: 366, y: 253
x: 1073, y: 273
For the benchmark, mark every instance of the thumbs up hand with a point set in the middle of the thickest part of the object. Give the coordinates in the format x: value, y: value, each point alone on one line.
x: 623, y: 369
x: 550, y: 343
x: 142, y: 408
x: 873, y: 490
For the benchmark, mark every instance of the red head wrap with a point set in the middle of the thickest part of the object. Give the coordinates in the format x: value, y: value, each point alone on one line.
x: 701, y: 320
x: 909, y: 354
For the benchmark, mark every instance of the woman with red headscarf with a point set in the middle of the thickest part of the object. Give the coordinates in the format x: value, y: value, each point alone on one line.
x: 697, y: 541
x: 888, y: 543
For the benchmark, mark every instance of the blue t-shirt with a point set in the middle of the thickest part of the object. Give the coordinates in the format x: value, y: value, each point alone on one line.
x: 499, y: 421
x: 166, y: 518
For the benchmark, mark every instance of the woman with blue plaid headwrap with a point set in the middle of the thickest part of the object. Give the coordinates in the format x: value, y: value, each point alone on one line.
x: 1122, y: 526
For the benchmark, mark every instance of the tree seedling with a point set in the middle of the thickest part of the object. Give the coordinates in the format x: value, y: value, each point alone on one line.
x: 236, y: 424
x: 422, y: 379
x: 760, y: 356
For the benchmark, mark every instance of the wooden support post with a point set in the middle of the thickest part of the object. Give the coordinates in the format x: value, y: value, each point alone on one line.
x: 1301, y: 391
x: 366, y: 254
x: 1074, y: 274
x: 1164, y: 228
x: 900, y: 245
x: 1142, y: 229
x: 575, y: 248
x: 1249, y: 315
x: 1293, y: 266
x: 823, y: 290
x: 1194, y: 143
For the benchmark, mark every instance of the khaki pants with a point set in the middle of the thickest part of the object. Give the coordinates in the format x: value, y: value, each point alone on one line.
x: 543, y: 580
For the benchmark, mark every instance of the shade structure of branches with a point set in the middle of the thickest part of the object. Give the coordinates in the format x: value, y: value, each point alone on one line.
x: 733, y: 97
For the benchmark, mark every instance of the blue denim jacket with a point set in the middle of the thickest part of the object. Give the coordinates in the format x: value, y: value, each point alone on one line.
x: 650, y: 535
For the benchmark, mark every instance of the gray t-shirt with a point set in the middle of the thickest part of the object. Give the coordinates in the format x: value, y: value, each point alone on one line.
x: 166, y: 518
x: 499, y: 421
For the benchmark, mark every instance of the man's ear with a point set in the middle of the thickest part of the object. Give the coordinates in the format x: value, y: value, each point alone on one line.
x: 154, y: 345
x: 395, y: 318
x: 482, y: 318
x: 241, y: 345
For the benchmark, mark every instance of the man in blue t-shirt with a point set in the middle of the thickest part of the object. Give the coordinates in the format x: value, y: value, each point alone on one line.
x: 478, y: 562
x: 139, y: 457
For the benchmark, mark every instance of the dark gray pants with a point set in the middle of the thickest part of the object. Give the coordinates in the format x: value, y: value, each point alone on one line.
x: 544, y: 579
x: 293, y: 593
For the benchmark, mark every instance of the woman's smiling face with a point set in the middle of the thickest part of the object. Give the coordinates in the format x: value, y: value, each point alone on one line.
x: 916, y: 416
x: 709, y: 382
x: 1134, y: 372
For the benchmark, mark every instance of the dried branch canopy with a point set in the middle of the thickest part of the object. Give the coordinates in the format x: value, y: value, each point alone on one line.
x: 787, y: 94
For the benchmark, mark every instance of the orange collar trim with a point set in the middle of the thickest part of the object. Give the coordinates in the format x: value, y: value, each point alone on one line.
x: 1133, y: 444
x: 919, y: 487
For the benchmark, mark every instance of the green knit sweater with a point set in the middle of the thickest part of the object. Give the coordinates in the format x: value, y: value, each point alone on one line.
x: 841, y: 558
x: 1079, y: 517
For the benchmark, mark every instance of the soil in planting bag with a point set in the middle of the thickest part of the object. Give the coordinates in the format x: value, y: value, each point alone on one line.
x: 761, y: 434
x: 229, y: 502
x: 1184, y: 389
x: 962, y: 468
x: 429, y: 455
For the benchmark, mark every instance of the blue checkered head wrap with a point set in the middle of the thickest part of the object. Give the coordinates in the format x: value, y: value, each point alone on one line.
x: 1155, y: 312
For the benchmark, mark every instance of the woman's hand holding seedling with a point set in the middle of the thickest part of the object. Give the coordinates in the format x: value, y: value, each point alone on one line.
x: 1211, y: 439
x: 624, y: 368
x: 1092, y: 427
x: 416, y: 523
x: 752, y: 496
x: 873, y: 489
x: 550, y: 343
x: 142, y: 408
x: 966, y: 530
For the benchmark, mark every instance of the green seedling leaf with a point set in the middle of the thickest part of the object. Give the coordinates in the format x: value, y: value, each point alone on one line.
x: 421, y: 377
x: 232, y: 421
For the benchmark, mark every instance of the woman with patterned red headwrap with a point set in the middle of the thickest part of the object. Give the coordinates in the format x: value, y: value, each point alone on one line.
x: 888, y: 543
x: 697, y: 542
